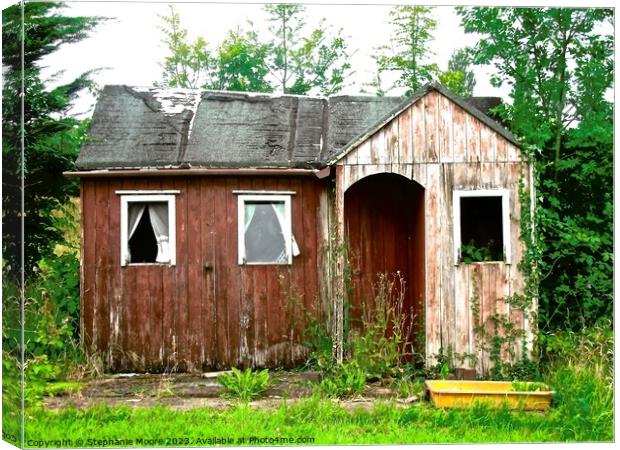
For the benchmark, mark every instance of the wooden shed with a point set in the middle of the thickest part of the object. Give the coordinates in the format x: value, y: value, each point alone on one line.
x: 199, y: 209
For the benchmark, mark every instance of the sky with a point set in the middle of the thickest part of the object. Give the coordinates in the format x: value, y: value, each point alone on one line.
x: 128, y: 48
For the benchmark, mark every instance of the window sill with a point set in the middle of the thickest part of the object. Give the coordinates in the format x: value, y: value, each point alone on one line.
x: 265, y: 264
x: 149, y: 264
x: 481, y: 263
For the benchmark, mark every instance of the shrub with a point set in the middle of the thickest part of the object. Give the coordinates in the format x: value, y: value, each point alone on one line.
x: 580, y: 369
x: 345, y: 380
x: 244, y: 385
x: 584, y: 404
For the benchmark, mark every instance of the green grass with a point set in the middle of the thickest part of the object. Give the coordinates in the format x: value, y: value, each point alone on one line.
x: 319, y: 419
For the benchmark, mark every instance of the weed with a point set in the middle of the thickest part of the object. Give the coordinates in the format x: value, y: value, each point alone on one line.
x: 525, y: 386
x: 244, y: 385
x: 406, y: 387
x: 584, y: 404
x: 345, y: 380
x: 382, y: 342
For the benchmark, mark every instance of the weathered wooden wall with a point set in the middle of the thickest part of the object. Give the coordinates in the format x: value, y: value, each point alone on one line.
x: 160, y: 317
x: 444, y: 148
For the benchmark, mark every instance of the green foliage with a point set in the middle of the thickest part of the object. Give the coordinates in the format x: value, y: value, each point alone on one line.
x: 461, y: 62
x: 238, y: 63
x: 51, y: 140
x: 331, y: 423
x: 244, y: 385
x: 345, y: 380
x: 585, y: 404
x: 592, y: 347
x: 382, y: 340
x: 242, y: 62
x: 471, y: 252
x: 559, y: 65
x: 317, y: 62
x: 459, y: 77
x: 409, y: 51
x: 525, y: 386
x: 406, y: 387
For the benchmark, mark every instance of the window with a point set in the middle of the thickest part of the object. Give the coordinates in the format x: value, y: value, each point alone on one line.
x: 265, y: 231
x: 147, y: 228
x: 481, y: 226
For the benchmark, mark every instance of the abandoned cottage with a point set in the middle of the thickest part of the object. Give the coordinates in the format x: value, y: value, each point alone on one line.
x: 197, y: 205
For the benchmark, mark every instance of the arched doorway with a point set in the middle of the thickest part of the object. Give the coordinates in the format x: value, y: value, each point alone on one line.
x: 384, y: 226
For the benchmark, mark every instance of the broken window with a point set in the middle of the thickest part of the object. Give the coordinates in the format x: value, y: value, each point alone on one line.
x: 147, y: 229
x: 265, y: 231
x: 481, y: 226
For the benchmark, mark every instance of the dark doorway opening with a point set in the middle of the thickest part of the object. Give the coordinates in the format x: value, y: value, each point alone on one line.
x: 384, y: 225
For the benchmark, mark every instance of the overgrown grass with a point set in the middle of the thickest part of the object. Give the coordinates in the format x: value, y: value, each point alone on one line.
x: 323, y: 421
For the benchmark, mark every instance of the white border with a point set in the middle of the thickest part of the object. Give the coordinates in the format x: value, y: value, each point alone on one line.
x: 456, y: 218
x: 140, y: 196
x: 288, y: 231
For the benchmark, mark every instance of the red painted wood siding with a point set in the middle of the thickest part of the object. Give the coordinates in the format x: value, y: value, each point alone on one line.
x: 185, y: 317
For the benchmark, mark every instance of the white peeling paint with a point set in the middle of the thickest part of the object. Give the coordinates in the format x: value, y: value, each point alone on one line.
x: 197, y: 98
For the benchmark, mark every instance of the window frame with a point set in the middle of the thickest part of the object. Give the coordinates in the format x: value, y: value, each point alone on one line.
x: 127, y: 197
x: 271, y: 197
x: 504, y: 194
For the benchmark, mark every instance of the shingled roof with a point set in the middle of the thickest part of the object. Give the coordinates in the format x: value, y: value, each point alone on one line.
x: 151, y: 127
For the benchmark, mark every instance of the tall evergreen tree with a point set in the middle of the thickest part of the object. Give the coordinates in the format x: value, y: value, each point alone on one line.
x: 51, y: 138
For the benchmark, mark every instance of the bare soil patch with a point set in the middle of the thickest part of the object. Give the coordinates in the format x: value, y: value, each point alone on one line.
x: 189, y: 391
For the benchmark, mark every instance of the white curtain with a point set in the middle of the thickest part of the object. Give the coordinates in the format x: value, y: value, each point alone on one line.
x: 158, y: 213
x: 134, y: 215
x: 280, y: 209
x: 250, y: 209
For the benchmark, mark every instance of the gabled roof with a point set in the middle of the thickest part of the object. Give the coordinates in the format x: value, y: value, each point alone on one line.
x: 180, y: 128
x: 150, y: 127
x: 467, y: 105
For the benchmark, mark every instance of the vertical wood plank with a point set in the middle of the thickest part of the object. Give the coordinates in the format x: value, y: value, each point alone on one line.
x: 181, y: 307
x: 87, y: 304
x: 512, y: 152
x: 433, y: 263
x: 500, y: 148
x: 419, y: 174
x: 153, y: 346
x: 487, y: 150
x: 419, y: 133
x: 378, y: 147
x: 473, y: 138
x: 392, y: 142
x: 460, y: 134
x: 405, y: 140
x: 102, y: 280
x: 309, y: 247
x: 446, y: 250
x: 364, y: 152
x: 487, y: 175
x: 476, y: 289
x: 115, y: 269
x: 431, y: 125
x: 462, y: 312
x: 446, y: 131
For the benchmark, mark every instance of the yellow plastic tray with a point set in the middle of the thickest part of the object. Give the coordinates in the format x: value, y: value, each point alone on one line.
x: 461, y: 394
